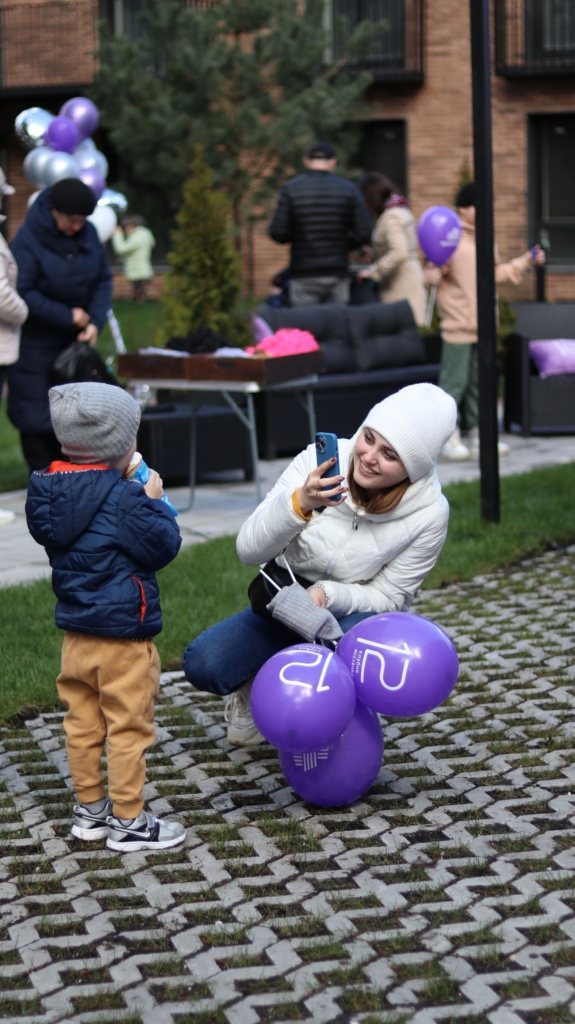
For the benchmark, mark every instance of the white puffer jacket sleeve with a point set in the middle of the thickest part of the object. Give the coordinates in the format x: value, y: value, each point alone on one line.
x: 396, y: 584
x: 13, y: 309
x: 274, y: 523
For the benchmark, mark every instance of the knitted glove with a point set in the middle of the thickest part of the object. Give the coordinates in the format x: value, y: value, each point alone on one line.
x: 294, y: 608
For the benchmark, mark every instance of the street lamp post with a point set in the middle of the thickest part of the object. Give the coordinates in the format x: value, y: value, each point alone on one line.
x: 486, y: 311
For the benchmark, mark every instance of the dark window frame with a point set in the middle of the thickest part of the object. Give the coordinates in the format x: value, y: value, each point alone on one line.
x: 540, y: 220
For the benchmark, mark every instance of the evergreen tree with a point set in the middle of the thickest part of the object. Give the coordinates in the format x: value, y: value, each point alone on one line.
x: 203, y: 285
x: 252, y: 81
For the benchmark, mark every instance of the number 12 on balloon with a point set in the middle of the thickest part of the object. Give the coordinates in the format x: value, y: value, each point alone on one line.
x: 317, y: 660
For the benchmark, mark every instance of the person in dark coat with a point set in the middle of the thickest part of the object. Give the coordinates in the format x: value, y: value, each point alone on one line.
x: 324, y: 216
x: 65, y: 280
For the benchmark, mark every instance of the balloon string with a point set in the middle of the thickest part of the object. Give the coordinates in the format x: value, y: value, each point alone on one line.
x: 430, y: 305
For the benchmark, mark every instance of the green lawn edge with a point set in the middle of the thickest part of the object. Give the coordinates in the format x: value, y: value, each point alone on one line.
x: 207, y: 582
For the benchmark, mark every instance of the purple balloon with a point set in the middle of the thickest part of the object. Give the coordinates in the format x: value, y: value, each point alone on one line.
x: 94, y: 180
x: 439, y: 233
x: 342, y: 771
x: 401, y: 664
x: 83, y: 113
x: 302, y: 698
x: 62, y: 135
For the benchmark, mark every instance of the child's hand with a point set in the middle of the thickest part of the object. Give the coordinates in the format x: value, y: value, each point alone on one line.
x: 154, y: 488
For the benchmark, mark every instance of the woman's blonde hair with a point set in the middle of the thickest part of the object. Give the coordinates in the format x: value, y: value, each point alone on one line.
x: 380, y: 502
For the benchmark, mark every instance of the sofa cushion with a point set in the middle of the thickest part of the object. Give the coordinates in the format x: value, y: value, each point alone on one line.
x: 338, y: 358
x: 405, y: 349
x: 378, y: 318
x: 326, y: 323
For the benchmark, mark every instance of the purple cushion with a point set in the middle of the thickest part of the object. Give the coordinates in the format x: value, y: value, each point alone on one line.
x: 553, y: 357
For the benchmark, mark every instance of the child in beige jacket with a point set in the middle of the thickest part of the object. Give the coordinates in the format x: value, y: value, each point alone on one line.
x: 457, y: 307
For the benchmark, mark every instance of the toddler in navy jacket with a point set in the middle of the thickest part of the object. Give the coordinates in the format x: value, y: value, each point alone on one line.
x: 106, y: 537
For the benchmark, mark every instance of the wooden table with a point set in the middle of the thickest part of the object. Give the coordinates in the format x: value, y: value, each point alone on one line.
x: 302, y: 387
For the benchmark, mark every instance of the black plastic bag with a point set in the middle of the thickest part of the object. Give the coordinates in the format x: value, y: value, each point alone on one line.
x: 78, y: 363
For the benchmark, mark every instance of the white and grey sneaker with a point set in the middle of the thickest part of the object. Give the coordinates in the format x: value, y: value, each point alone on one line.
x: 454, y: 450
x: 242, y: 730
x: 143, y: 833
x: 473, y: 442
x: 88, y: 826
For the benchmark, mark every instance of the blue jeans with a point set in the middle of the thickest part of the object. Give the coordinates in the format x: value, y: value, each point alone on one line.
x: 224, y: 657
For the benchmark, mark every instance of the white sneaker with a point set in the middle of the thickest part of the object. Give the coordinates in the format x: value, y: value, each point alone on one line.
x: 242, y: 730
x: 454, y: 450
x: 473, y: 440
x: 145, y: 832
x: 6, y: 517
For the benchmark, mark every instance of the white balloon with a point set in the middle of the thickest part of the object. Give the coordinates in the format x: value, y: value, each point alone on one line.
x: 116, y: 200
x: 32, y: 199
x: 104, y: 220
x: 35, y: 164
x: 60, y: 165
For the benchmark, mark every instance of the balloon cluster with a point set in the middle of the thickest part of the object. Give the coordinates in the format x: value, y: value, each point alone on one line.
x: 61, y: 147
x: 319, y: 707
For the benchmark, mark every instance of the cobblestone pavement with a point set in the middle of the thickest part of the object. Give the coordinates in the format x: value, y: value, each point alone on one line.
x: 447, y: 894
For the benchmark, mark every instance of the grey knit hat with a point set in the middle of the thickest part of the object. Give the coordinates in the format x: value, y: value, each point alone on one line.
x: 94, y: 422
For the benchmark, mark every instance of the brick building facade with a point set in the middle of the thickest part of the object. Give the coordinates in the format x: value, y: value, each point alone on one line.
x: 420, y: 132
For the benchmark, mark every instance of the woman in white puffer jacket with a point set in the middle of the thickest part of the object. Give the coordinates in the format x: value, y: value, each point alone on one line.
x: 365, y: 554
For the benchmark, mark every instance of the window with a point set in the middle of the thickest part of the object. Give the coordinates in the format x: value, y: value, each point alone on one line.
x: 122, y: 16
x: 388, y: 48
x: 550, y: 26
x: 384, y: 150
x: 552, y: 196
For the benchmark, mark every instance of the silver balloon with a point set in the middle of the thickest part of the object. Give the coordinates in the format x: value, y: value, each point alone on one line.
x: 60, y: 165
x: 116, y: 200
x: 31, y: 126
x: 84, y: 153
x: 35, y: 165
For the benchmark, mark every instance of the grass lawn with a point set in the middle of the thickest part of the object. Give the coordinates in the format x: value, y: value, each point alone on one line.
x: 207, y: 582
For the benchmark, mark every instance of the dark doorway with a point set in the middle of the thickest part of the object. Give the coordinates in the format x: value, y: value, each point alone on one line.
x: 384, y: 150
x: 551, y: 192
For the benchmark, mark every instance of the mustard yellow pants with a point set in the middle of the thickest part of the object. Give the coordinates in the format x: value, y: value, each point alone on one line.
x: 108, y: 687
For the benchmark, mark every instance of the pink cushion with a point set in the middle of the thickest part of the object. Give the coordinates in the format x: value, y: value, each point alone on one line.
x: 288, y: 342
x: 553, y: 357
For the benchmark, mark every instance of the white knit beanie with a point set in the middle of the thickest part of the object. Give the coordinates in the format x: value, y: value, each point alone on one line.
x: 417, y: 421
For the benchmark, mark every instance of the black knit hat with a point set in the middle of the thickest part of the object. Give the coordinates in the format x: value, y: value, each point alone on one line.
x: 321, y: 151
x: 466, y: 195
x: 72, y: 196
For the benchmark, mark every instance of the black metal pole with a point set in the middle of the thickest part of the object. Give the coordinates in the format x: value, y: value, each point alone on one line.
x: 486, y: 324
x: 540, y: 283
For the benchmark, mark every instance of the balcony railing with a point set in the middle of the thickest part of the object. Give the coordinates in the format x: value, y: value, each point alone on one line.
x: 534, y: 37
x: 397, y: 50
x: 48, y: 44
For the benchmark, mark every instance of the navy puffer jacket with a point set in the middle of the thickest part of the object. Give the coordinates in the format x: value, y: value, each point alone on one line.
x: 105, y: 540
x: 55, y: 274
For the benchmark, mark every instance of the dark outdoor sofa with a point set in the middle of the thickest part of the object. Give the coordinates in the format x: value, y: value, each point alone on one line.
x: 534, y: 404
x: 370, y: 352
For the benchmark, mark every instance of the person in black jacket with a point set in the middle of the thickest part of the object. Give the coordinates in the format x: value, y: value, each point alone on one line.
x: 323, y: 216
x: 65, y: 280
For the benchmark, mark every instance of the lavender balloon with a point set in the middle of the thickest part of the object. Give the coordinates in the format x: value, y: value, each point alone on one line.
x: 83, y: 113
x: 62, y: 135
x: 302, y: 698
x: 94, y: 180
x: 439, y: 233
x: 343, y: 771
x: 402, y: 664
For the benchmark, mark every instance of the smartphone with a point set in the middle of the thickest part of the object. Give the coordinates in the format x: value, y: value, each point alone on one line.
x: 327, y: 448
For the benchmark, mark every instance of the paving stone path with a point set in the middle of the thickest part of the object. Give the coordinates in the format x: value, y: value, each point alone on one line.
x: 447, y: 894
